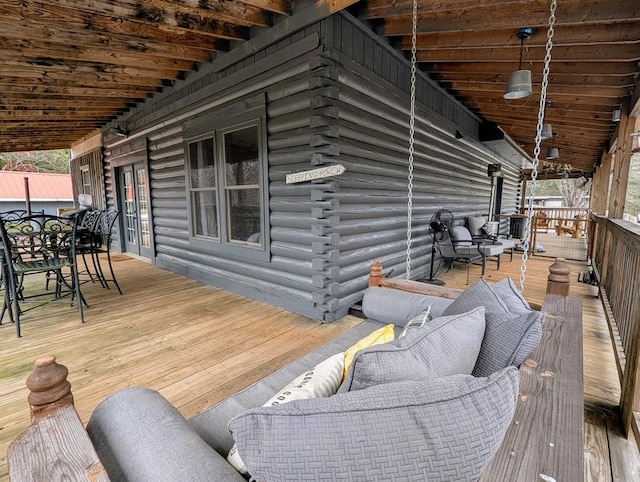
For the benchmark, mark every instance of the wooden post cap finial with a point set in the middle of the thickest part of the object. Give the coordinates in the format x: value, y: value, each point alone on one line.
x: 48, y: 383
x: 375, y: 274
x: 558, y: 282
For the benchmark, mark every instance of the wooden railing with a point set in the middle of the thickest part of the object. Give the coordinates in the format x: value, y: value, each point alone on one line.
x: 551, y: 218
x: 615, y: 251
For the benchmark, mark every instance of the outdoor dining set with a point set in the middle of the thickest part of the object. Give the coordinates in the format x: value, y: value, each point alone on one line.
x: 64, y: 249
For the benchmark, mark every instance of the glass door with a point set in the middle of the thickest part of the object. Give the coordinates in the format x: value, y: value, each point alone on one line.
x: 136, y: 215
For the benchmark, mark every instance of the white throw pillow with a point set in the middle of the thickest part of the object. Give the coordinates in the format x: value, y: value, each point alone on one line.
x: 322, y: 380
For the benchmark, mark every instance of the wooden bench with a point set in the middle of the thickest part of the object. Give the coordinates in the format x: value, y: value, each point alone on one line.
x: 544, y: 442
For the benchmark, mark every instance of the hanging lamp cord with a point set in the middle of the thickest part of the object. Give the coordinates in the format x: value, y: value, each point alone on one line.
x: 536, y: 151
x: 412, y: 131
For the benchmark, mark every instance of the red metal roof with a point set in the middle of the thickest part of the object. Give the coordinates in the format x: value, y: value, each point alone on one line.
x: 42, y: 186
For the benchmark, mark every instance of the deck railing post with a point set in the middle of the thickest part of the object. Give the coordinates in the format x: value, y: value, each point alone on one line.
x: 48, y: 386
x: 375, y: 274
x: 559, y: 282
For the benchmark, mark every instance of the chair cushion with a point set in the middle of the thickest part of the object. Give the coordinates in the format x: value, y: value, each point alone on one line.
x: 461, y: 236
x: 445, y: 346
x: 506, y: 243
x: 442, y: 429
x: 512, y: 330
x: 475, y: 224
x: 491, y: 249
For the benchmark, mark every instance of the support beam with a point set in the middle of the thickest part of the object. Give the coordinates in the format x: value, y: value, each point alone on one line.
x: 622, y: 163
x: 600, y: 185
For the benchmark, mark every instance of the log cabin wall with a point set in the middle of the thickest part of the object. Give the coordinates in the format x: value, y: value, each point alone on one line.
x: 324, y: 104
x: 366, y: 213
x: 279, y: 77
x: 89, y: 164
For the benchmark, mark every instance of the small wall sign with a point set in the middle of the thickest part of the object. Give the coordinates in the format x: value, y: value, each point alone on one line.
x: 320, y: 173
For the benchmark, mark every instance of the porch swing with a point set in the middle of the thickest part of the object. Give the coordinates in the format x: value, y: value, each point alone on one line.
x: 376, y: 269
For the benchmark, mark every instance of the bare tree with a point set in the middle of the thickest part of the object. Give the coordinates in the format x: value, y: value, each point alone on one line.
x: 575, y: 192
x: 36, y: 161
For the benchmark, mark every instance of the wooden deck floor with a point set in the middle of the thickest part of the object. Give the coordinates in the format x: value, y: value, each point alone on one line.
x: 194, y: 343
x: 197, y: 344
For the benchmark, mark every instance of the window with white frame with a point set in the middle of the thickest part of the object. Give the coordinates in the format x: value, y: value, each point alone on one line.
x: 86, y: 179
x: 227, y: 195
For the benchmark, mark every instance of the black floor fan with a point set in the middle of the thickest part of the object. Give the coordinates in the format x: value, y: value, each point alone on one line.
x: 441, y: 223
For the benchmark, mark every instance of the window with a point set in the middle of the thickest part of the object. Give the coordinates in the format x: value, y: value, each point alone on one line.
x: 242, y: 185
x: 86, y: 179
x: 226, y: 176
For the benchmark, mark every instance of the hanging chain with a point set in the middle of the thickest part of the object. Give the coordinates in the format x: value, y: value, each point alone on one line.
x: 412, y: 131
x: 536, y: 151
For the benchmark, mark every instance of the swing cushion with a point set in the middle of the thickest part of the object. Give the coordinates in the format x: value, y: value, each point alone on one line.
x: 513, y: 329
x: 441, y: 429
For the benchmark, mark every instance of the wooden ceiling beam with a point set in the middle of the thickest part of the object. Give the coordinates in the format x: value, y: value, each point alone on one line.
x: 56, y: 54
x: 553, y: 90
x: 282, y: 7
x: 559, y: 123
x: 600, y: 68
x: 496, y: 97
x: 626, y: 81
x: 565, y: 35
x: 47, y: 127
x: 381, y: 8
x: 13, y: 90
x: 44, y: 102
x: 568, y: 143
x: 576, y: 53
x: 141, y: 13
x: 55, y: 36
x: 39, y: 14
x: 88, y: 69
x: 57, y: 115
x: 534, y: 14
x: 598, y: 131
x: 532, y: 106
x: 41, y: 76
x: 554, y: 117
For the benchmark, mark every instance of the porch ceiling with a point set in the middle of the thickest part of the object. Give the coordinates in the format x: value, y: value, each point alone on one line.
x: 470, y: 47
x: 68, y: 67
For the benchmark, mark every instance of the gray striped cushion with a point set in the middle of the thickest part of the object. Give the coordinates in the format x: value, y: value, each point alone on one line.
x: 445, y: 346
x: 513, y: 329
x: 442, y: 429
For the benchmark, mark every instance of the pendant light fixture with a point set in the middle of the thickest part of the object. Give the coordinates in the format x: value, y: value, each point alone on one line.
x: 553, y: 152
x: 519, y: 83
x: 616, y: 115
x: 547, y: 131
x: 635, y: 146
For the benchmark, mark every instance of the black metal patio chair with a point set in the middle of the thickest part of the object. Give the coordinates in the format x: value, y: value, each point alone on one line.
x: 40, y: 244
x: 88, y: 239
x: 103, y: 237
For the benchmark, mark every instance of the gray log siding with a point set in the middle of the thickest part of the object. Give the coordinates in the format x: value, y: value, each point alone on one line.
x: 333, y: 94
x: 370, y: 199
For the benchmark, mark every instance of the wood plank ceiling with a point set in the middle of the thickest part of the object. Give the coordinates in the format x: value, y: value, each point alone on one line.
x: 470, y: 47
x: 68, y: 67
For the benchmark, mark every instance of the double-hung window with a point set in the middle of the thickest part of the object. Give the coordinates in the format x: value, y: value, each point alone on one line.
x: 226, y: 163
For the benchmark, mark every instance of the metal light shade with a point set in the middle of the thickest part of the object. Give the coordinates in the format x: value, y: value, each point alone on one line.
x: 547, y: 131
x: 616, y: 115
x: 518, y: 85
x: 635, y: 146
x: 553, y: 153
